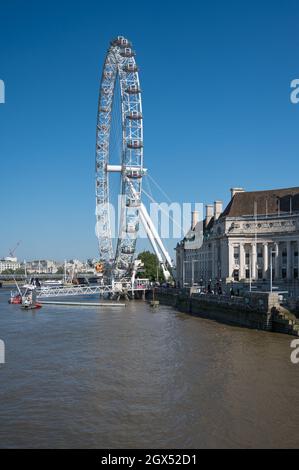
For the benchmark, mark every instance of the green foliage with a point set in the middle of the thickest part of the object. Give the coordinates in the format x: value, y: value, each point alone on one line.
x: 151, y: 266
x: 20, y: 271
x: 60, y: 270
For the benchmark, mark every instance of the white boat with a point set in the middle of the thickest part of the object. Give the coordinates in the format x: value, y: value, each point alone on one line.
x: 50, y: 284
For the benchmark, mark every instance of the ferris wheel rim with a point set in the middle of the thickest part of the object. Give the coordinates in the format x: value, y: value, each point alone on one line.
x: 120, y: 69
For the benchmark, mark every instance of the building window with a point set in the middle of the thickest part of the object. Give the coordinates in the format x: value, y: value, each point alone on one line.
x: 296, y: 273
x: 283, y: 273
x: 260, y: 274
x: 236, y: 274
x: 236, y: 253
x: 247, y: 273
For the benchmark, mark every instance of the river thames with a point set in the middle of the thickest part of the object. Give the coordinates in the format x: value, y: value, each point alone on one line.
x: 135, y: 377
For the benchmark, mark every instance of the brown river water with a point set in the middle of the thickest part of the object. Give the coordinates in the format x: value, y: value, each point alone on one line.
x: 135, y: 377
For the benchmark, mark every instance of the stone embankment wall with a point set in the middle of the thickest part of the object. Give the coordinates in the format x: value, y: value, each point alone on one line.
x: 259, y: 310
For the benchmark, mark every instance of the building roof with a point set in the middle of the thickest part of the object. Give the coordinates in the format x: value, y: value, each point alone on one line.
x: 193, y: 238
x: 272, y: 202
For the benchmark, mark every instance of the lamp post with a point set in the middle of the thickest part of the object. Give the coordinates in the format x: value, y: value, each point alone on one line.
x: 64, y: 271
x: 271, y: 269
x: 250, y: 273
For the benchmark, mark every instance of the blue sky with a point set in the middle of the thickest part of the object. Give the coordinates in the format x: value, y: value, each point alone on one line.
x: 216, y: 83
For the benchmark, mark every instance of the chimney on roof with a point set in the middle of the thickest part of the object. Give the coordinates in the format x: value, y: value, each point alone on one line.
x: 209, y: 213
x: 194, y: 219
x: 234, y: 191
x: 218, y: 207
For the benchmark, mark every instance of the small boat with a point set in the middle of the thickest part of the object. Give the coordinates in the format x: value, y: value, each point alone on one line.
x: 26, y: 299
x: 31, y: 306
x: 52, y: 283
x: 15, y: 298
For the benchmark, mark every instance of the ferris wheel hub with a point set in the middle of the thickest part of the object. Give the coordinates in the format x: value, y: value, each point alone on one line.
x: 126, y: 169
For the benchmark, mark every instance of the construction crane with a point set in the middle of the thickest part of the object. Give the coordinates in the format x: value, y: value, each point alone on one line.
x: 11, y: 252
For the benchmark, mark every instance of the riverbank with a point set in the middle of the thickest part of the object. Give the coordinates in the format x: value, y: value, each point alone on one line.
x: 257, y: 310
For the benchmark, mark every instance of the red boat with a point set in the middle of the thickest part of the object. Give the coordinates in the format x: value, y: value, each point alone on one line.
x: 15, y: 299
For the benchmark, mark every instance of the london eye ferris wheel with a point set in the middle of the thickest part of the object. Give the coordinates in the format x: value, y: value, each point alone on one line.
x: 120, y: 76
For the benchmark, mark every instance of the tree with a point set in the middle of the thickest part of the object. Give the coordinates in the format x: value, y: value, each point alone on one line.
x: 151, y: 266
x: 20, y: 271
x: 8, y: 271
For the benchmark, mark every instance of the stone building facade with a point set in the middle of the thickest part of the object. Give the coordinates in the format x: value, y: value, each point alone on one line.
x: 9, y: 264
x: 256, y: 235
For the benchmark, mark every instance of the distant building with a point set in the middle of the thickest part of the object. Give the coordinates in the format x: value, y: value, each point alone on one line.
x: 41, y: 267
x: 75, y: 266
x: 12, y: 259
x: 238, y: 243
x: 8, y: 263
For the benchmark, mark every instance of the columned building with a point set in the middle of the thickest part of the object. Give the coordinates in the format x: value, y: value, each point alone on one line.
x: 256, y: 235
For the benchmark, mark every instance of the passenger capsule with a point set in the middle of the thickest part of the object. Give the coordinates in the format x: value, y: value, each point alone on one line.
x: 127, y: 250
x: 135, y: 144
x: 108, y: 75
x: 106, y: 90
x: 130, y: 202
x: 127, y: 52
x: 134, y: 173
x: 134, y: 115
x: 117, y: 40
x: 133, y: 90
x: 102, y: 127
x: 130, y: 68
x: 132, y: 227
x: 120, y: 41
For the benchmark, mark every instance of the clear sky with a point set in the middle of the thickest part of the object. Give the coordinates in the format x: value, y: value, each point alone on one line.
x: 216, y: 84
